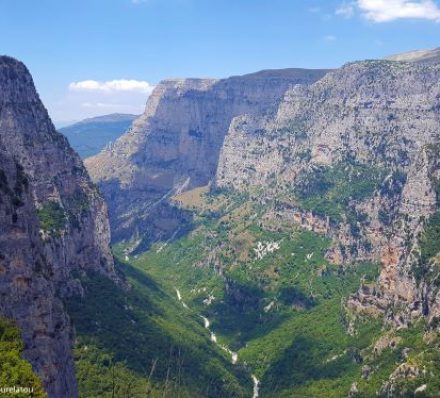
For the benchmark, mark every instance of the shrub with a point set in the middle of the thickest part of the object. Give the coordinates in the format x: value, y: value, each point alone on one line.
x: 52, y: 217
x: 14, y: 370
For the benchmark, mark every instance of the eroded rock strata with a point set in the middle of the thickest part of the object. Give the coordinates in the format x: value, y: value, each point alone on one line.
x: 175, y: 145
x: 378, y: 116
x: 374, y: 124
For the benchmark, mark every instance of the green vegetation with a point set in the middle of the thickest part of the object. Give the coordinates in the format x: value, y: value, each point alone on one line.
x: 328, y: 191
x: 285, y: 314
x: 4, y: 187
x: 265, y: 298
x: 78, y: 206
x: 394, y: 184
x: 436, y: 183
x: 140, y: 338
x: 430, y: 243
x: 296, y: 127
x: 432, y: 150
x: 21, y: 180
x: 270, y: 295
x: 14, y: 370
x: 52, y: 218
x: 427, y: 268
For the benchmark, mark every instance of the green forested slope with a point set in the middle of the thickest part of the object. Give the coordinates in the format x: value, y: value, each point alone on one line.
x: 270, y: 295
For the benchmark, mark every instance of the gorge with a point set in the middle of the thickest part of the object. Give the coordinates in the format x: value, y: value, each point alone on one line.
x: 273, y: 235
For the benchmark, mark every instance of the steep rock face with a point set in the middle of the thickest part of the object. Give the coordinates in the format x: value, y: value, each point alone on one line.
x: 176, y: 143
x: 375, y: 111
x: 380, y: 114
x: 53, y: 222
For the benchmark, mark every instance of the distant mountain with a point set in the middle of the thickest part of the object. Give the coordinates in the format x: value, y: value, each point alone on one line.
x: 59, y: 124
x: 91, y: 135
x: 418, y: 56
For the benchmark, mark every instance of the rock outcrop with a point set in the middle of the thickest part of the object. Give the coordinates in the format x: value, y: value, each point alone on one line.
x: 373, y: 123
x: 175, y: 145
x: 53, y: 223
x: 380, y: 114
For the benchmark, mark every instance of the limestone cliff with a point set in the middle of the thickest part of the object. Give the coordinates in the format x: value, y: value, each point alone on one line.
x: 379, y: 115
x: 53, y: 222
x: 175, y: 145
x: 351, y: 153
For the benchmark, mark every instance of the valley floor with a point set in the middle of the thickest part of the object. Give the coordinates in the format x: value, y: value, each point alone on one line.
x: 239, y: 309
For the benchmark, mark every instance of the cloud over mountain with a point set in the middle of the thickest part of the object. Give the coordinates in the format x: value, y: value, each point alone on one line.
x: 112, y: 85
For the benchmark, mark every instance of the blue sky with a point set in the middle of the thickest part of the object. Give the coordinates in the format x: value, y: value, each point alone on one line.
x: 91, y: 57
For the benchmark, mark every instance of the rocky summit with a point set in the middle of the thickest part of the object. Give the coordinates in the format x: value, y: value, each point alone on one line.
x: 53, y: 225
x: 418, y: 56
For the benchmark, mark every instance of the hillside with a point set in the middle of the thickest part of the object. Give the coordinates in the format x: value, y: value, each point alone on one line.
x: 301, y: 229
x: 88, y: 137
x: 270, y: 295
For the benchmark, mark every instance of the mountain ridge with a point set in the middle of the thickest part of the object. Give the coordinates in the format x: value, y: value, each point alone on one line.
x: 193, y: 130
x: 431, y: 56
x: 381, y: 124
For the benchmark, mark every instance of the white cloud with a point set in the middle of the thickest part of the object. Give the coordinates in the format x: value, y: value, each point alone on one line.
x: 380, y: 11
x: 390, y: 10
x: 90, y: 98
x: 112, y: 86
x: 329, y: 38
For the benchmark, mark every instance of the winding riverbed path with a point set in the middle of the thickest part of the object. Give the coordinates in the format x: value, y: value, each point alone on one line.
x: 234, y: 355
